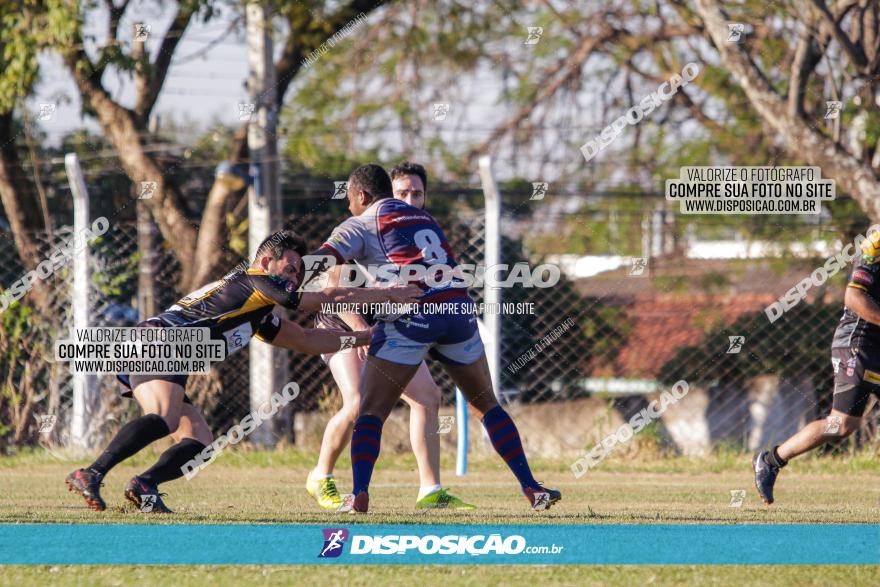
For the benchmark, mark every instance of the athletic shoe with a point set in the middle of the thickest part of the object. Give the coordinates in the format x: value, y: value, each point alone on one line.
x: 325, y: 493
x: 88, y: 484
x: 765, y: 476
x: 441, y: 499
x: 347, y: 504
x: 145, y: 497
x: 541, y: 498
x: 354, y: 504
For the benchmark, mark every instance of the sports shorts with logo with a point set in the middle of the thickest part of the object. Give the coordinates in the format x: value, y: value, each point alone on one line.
x: 856, y: 377
x: 451, y: 337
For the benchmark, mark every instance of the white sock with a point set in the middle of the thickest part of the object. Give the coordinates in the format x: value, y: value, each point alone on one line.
x: 424, y: 491
x: 314, y: 477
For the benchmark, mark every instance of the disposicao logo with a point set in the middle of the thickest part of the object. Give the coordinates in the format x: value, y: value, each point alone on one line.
x: 472, y: 545
x: 334, y: 539
x: 478, y: 545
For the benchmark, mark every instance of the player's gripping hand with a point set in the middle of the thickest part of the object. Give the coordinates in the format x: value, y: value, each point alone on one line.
x: 364, y: 350
x: 362, y: 339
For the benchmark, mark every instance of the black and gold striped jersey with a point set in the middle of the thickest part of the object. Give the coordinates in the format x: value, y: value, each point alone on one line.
x: 236, y: 307
x: 853, y: 331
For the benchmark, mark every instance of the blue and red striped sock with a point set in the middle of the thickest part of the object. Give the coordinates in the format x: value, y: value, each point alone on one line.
x: 365, y: 441
x: 505, y: 438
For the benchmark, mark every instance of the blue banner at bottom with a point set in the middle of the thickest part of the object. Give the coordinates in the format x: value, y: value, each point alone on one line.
x: 679, y: 544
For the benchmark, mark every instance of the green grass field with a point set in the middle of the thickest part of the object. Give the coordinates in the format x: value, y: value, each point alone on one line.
x: 409, y: 575
x: 267, y: 487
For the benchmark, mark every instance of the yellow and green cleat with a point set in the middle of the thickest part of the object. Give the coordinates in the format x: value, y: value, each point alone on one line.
x: 324, y: 491
x: 441, y: 499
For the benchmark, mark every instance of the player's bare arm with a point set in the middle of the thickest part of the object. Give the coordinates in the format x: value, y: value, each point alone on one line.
x: 861, y: 303
x: 312, y: 301
x: 354, y: 321
x: 315, y: 341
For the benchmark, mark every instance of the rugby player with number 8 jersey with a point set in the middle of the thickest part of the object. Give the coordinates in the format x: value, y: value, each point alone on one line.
x: 386, y: 231
x: 409, y: 182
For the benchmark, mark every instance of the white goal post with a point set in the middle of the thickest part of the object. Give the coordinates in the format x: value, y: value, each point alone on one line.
x: 490, y: 325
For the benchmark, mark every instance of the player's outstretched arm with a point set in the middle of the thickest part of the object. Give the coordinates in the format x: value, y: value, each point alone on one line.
x: 315, y: 341
x: 311, y: 301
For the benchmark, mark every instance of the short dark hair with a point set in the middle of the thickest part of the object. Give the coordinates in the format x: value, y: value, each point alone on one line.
x: 371, y: 178
x: 409, y: 168
x: 284, y: 240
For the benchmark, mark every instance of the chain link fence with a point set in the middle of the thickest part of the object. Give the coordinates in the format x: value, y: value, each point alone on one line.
x: 582, y: 357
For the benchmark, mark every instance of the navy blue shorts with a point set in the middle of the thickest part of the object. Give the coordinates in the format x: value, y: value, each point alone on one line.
x: 451, y: 337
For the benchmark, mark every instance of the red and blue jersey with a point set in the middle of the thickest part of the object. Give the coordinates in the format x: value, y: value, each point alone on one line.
x: 391, y: 232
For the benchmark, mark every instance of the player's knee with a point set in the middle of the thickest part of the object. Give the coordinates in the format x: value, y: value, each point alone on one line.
x: 180, y: 434
x: 172, y: 420
x: 348, y: 414
x: 200, y: 433
x: 483, y: 404
x: 374, y: 409
x: 429, y: 399
x: 369, y: 405
x: 351, y: 402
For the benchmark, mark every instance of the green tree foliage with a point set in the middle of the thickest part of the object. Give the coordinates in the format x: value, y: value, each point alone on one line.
x: 376, y: 87
x: 28, y: 26
x: 23, y: 351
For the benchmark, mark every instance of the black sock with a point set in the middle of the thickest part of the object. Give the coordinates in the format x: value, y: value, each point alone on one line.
x: 130, y: 439
x: 774, y: 459
x: 170, y: 464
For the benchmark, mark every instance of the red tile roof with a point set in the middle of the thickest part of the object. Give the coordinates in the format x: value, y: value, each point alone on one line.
x: 666, y: 323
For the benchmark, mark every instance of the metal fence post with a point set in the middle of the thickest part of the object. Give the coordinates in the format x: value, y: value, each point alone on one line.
x: 85, y: 392
x: 268, y: 371
x: 492, y: 295
x: 146, y: 244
